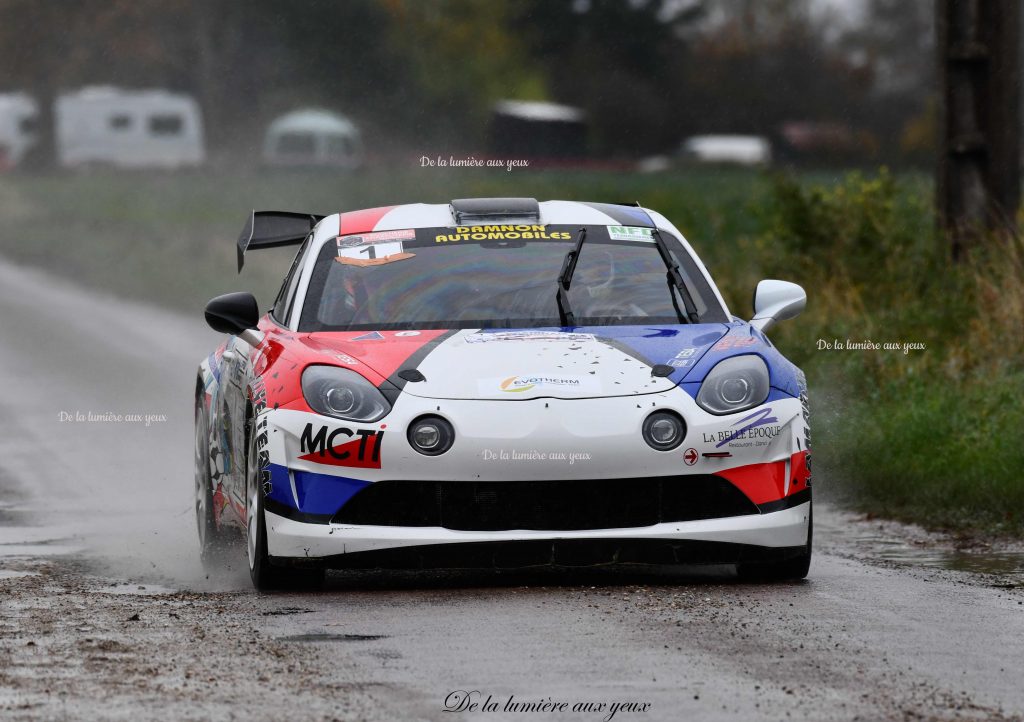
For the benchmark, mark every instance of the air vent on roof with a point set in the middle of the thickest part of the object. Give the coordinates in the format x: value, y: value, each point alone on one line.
x: 469, y: 211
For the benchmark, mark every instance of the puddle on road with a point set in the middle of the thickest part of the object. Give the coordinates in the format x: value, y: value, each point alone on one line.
x: 979, y: 562
x: 31, y: 541
x: 286, y: 611
x: 913, y: 546
x: 12, y: 574
x: 332, y: 637
x: 139, y: 590
x: 12, y: 515
x: 37, y: 550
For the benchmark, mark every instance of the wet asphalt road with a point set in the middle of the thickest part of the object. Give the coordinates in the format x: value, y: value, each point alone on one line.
x: 106, y: 613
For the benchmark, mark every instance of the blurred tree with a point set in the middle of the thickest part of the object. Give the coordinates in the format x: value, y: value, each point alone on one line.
x: 416, y: 74
x: 341, y: 55
x: 463, y: 56
x: 614, y: 59
x: 758, y: 65
x: 896, y: 39
x: 979, y: 166
x: 34, y: 53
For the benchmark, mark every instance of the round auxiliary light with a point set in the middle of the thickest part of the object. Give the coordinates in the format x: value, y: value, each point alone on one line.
x: 431, y: 435
x: 663, y: 430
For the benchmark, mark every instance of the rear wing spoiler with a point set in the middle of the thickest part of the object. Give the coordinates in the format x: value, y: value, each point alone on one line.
x: 272, y: 229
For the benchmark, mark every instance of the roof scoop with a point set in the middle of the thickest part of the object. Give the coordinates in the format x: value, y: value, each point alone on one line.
x: 475, y: 211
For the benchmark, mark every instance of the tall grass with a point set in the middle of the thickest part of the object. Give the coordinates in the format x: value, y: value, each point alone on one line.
x: 926, y: 435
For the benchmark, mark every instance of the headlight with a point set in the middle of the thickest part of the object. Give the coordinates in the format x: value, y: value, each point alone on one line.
x: 735, y: 384
x: 343, y: 394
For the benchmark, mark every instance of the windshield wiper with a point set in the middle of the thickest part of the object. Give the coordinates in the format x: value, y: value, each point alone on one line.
x: 565, y: 314
x: 675, y: 280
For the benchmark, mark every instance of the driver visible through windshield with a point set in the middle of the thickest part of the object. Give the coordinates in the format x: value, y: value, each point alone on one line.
x: 497, y: 277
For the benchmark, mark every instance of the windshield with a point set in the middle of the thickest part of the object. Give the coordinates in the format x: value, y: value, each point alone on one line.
x: 496, y: 277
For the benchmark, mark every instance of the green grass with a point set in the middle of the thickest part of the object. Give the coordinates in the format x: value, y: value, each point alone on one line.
x: 928, y: 436
x: 942, y: 454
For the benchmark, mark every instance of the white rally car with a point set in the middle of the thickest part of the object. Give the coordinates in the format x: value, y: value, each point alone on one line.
x: 502, y: 383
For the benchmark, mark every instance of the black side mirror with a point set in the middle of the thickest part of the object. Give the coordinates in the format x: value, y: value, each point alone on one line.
x: 233, y: 313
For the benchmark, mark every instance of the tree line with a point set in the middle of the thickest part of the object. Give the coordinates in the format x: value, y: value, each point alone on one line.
x: 419, y: 73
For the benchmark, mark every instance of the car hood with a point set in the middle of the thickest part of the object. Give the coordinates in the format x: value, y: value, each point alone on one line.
x: 519, y: 364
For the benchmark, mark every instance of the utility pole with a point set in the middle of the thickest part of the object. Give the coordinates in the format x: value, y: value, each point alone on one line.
x: 978, y: 184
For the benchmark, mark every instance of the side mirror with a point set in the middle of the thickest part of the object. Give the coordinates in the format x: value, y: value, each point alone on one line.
x: 237, y: 314
x: 776, y: 301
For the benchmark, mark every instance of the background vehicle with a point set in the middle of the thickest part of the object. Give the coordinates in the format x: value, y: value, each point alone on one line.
x: 537, y: 130
x: 747, y: 150
x: 129, y: 129
x: 313, y: 137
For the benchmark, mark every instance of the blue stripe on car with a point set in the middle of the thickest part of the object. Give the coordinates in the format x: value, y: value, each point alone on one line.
x: 624, y: 215
x: 662, y: 344
x: 321, y: 494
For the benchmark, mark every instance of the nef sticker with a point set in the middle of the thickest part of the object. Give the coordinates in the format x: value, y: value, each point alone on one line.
x: 629, y: 233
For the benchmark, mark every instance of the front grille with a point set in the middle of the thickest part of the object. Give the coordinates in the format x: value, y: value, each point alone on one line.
x: 545, y: 505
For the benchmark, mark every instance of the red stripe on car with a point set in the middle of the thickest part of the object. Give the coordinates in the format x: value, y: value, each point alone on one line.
x: 763, y: 483
x: 384, y: 355
x: 361, y: 221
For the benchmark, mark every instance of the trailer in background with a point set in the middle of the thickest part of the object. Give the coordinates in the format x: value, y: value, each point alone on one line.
x: 109, y: 126
x: 742, y: 150
x: 537, y: 130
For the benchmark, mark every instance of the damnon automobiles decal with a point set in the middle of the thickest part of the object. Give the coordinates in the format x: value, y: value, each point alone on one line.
x: 502, y: 233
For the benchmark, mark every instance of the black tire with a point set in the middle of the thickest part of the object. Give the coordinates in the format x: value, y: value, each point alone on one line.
x: 267, y: 576
x: 789, y: 570
x: 212, y: 541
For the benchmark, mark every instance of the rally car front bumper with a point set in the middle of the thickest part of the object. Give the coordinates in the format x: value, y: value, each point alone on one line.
x: 755, y: 537
x: 735, y: 490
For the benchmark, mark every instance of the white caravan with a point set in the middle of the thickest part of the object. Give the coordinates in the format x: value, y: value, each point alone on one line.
x: 108, y: 126
x: 747, y: 150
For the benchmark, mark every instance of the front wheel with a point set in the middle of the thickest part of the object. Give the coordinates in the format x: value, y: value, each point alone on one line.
x: 266, y: 575
x: 212, y: 541
x: 789, y: 570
